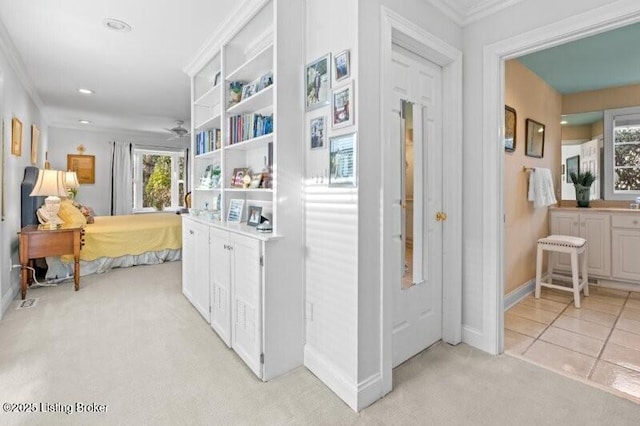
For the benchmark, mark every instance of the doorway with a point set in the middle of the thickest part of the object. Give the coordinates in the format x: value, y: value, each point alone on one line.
x: 415, y: 166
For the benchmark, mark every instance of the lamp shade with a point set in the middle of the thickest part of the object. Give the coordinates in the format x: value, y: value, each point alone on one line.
x: 71, y: 180
x: 49, y: 183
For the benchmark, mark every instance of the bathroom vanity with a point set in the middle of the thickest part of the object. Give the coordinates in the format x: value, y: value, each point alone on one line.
x: 613, y: 238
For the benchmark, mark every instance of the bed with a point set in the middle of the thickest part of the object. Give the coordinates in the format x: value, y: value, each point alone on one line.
x: 110, y: 241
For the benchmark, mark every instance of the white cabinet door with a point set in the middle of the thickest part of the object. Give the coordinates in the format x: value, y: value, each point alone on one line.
x: 221, y: 284
x: 625, y: 245
x: 195, y: 267
x: 246, y: 302
x: 563, y: 223
x: 596, y: 229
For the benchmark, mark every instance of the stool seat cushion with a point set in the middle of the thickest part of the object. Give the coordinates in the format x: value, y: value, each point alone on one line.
x: 563, y: 240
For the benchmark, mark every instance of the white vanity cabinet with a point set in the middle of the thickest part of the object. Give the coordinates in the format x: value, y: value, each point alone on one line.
x: 195, y: 264
x: 625, y: 245
x: 221, y: 284
x: 592, y: 226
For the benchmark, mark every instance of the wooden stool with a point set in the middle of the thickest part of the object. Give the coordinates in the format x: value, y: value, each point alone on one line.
x: 574, y: 246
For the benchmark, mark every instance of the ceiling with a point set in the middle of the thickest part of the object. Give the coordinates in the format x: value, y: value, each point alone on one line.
x: 59, y: 46
x: 604, y: 60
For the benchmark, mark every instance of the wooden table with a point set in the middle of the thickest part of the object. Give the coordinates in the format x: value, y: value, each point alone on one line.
x: 36, y: 242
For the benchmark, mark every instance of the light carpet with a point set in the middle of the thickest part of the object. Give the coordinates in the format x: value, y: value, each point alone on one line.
x: 130, y: 340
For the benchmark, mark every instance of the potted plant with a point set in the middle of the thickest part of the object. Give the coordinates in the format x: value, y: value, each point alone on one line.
x: 582, y: 183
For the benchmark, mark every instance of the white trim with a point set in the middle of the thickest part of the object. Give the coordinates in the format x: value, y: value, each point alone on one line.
x: 466, y: 15
x: 369, y: 391
x: 609, y: 117
x: 472, y: 336
x: 331, y: 376
x: 7, y: 299
x: 9, y: 49
x: 595, y: 21
x: 520, y: 293
x: 450, y: 59
x: 235, y: 21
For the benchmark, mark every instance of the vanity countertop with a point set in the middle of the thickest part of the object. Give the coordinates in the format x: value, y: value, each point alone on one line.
x: 598, y: 209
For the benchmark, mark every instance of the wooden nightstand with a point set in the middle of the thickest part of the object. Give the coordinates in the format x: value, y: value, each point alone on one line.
x: 36, y: 242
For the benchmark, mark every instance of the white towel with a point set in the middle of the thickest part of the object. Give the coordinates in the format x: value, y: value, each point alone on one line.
x: 541, y: 188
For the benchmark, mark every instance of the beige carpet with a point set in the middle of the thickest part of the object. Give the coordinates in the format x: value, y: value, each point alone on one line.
x: 130, y: 340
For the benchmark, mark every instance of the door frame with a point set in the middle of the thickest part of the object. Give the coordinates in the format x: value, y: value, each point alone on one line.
x: 395, y: 27
x: 569, y: 29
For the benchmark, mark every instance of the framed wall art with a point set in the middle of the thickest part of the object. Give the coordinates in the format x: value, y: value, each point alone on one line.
x: 535, y: 139
x: 341, y: 65
x: 318, y: 132
x: 317, y: 83
x: 342, y: 107
x: 573, y: 166
x: 16, y: 137
x: 342, y: 160
x: 35, y: 138
x: 84, y: 166
x: 510, y: 121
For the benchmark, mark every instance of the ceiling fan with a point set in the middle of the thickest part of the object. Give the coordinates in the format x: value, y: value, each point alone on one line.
x: 178, y: 131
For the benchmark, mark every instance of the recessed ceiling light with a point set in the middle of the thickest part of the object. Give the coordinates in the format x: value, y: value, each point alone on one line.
x: 117, y: 25
x: 564, y: 122
x: 85, y: 121
x: 86, y: 91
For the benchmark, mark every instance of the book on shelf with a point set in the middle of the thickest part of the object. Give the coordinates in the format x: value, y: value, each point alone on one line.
x: 208, y: 140
x: 248, y: 126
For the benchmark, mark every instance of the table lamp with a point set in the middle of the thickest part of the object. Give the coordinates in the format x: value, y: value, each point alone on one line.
x: 71, y: 183
x: 50, y: 183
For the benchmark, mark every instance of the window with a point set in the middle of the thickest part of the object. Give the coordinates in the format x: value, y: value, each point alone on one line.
x: 622, y: 153
x: 159, y: 179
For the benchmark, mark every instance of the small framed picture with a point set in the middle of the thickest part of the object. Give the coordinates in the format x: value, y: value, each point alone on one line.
x: 509, y: 129
x: 16, y: 137
x: 342, y: 65
x: 318, y: 132
x: 35, y: 138
x: 265, y: 81
x: 317, y: 83
x: 256, y: 180
x: 238, y: 176
x: 235, y: 210
x: 534, y: 139
x: 248, y: 90
x: 342, y: 106
x: 342, y: 160
x: 253, y: 215
x: 216, y: 80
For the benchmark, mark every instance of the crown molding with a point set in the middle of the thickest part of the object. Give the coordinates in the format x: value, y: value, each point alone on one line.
x: 472, y: 10
x: 11, y: 53
x: 110, y: 130
x: 231, y: 25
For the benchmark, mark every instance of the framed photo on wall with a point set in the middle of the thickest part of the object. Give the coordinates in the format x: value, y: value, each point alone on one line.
x: 342, y: 160
x: 35, y: 138
x: 535, y: 139
x: 342, y: 106
x: 573, y: 166
x: 318, y: 132
x: 317, y: 82
x: 342, y: 65
x: 510, y: 121
x: 16, y: 137
x: 84, y: 166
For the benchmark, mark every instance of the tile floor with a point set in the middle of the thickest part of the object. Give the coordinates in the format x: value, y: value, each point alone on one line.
x: 599, y: 342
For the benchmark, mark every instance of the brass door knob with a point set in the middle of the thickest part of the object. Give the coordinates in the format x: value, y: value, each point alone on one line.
x: 441, y: 216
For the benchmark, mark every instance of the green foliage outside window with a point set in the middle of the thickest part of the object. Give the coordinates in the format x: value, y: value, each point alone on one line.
x: 157, y: 181
x: 627, y: 159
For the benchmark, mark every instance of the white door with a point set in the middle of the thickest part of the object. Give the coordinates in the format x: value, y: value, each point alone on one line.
x: 221, y: 284
x: 416, y: 164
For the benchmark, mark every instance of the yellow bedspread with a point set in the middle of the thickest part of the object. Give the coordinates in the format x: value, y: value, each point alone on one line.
x: 115, y: 236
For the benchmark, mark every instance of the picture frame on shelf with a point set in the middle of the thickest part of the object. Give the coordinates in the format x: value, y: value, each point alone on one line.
x: 249, y: 90
x: 35, y: 139
x: 265, y: 81
x: 342, y: 160
x: 237, y: 177
x: 318, y: 132
x: 317, y: 83
x: 510, y: 122
x: 16, y: 137
x: 254, y: 214
x: 534, y: 138
x: 342, y: 65
x: 342, y: 106
x: 236, y: 206
x: 256, y: 180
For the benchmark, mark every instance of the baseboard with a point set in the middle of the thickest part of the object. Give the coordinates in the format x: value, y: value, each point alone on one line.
x: 331, y: 377
x: 519, y: 293
x: 474, y: 337
x: 7, y: 299
x: 617, y: 285
x: 369, y: 391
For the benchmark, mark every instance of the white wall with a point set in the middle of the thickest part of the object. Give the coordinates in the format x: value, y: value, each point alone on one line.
x: 65, y: 141
x: 14, y: 102
x: 514, y: 21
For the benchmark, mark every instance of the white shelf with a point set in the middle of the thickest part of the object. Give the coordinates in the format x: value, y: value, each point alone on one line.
x: 207, y: 189
x: 255, y: 67
x: 256, y: 103
x: 210, y: 98
x: 264, y: 190
x: 211, y: 154
x: 210, y: 123
x: 259, y: 142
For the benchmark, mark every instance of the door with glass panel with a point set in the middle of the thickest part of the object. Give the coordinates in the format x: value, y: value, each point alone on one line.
x: 416, y: 167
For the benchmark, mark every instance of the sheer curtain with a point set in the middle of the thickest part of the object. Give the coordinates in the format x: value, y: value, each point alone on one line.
x: 121, y: 179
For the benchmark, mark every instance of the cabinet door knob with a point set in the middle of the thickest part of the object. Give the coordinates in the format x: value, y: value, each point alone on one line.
x: 635, y: 222
x: 191, y: 231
